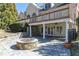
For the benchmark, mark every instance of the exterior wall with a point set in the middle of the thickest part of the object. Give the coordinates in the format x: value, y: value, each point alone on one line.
x: 32, y: 9
x: 54, y: 9
x: 55, y: 33
x: 72, y: 11
x: 55, y: 29
x: 38, y: 29
x: 21, y: 16
x: 58, y: 13
x: 70, y: 26
x: 35, y: 31
x: 54, y: 26
x: 51, y: 16
x: 54, y: 14
x: 68, y: 10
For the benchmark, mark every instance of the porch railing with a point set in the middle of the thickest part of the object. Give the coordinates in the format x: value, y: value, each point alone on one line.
x: 50, y: 16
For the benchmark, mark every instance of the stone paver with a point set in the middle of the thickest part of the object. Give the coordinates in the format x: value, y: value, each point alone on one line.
x: 53, y: 48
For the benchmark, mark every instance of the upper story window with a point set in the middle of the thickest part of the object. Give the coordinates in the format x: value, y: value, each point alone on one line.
x: 62, y: 13
x: 47, y: 6
x: 51, y: 15
x: 34, y: 14
x: 65, y: 12
x: 45, y: 17
x: 28, y: 16
x: 61, y: 30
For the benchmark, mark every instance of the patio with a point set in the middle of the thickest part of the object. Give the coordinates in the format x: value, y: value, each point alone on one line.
x: 45, y: 48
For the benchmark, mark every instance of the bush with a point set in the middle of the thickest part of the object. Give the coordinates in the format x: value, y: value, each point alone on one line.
x: 77, y: 24
x: 77, y: 21
x: 17, y: 27
x: 77, y: 38
x: 25, y: 27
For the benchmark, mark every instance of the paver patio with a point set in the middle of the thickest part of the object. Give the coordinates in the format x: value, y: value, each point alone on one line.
x: 50, y: 48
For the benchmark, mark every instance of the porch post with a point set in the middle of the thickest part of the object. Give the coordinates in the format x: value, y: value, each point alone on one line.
x: 43, y: 31
x: 67, y: 27
x: 30, y: 31
x: 27, y: 30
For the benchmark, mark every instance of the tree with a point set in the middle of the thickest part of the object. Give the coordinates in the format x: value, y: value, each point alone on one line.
x: 8, y: 14
x: 77, y: 21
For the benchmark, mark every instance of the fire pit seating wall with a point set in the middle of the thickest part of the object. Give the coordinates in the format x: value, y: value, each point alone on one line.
x: 27, y: 43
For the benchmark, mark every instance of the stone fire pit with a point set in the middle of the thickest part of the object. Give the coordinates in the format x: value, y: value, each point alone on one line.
x: 27, y: 43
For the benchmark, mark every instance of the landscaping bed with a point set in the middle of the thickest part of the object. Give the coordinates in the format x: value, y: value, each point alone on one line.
x: 75, y: 49
x: 4, y: 35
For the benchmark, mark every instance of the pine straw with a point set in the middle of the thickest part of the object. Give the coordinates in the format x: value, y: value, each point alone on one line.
x: 3, y: 34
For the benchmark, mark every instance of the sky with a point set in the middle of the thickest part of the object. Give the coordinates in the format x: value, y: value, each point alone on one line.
x: 21, y: 7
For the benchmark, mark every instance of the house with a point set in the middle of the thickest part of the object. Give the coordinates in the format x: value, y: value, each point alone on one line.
x: 51, y: 20
x: 21, y: 16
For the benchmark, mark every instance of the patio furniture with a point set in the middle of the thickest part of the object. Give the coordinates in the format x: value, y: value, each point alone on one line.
x: 27, y: 43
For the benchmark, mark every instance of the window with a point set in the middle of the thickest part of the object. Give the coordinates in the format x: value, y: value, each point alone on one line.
x: 41, y: 30
x: 55, y: 14
x: 47, y: 6
x: 46, y: 17
x: 51, y: 15
x: 39, y: 18
x: 65, y: 12
x: 60, y: 30
x: 59, y: 14
x: 54, y: 27
x: 62, y: 13
x: 34, y: 14
x: 28, y: 16
x: 48, y: 30
x: 52, y: 30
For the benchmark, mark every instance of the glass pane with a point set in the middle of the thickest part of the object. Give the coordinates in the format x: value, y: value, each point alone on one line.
x: 48, y: 30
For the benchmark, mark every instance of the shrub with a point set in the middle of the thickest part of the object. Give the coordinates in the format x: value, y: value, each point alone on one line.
x: 77, y: 38
x: 77, y: 21
x: 77, y: 24
x: 17, y: 27
x: 25, y: 27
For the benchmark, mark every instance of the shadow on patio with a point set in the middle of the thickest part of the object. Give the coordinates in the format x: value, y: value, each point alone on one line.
x: 14, y: 47
x: 53, y: 50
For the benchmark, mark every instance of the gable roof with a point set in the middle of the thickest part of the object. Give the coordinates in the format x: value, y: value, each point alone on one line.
x: 59, y: 4
x: 36, y: 5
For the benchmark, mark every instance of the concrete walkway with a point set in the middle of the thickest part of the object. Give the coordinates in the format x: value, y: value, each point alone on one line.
x: 52, y: 48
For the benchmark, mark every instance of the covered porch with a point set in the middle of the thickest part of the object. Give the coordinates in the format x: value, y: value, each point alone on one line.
x: 56, y: 29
